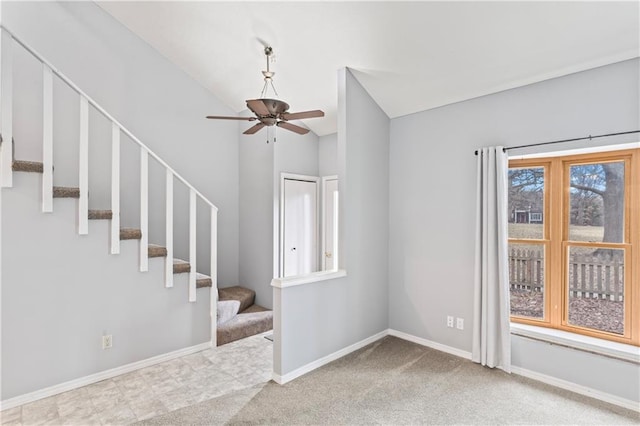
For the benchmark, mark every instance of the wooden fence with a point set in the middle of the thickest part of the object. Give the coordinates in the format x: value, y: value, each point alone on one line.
x: 593, y: 277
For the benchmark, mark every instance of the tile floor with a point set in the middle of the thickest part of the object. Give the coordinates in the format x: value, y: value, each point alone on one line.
x: 154, y: 390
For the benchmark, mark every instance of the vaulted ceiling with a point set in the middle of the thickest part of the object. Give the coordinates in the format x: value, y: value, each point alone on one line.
x: 410, y: 56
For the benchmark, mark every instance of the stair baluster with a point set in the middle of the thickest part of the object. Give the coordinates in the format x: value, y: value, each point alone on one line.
x: 47, y: 139
x: 214, y: 273
x: 192, y: 245
x: 144, y: 209
x: 6, y: 108
x: 83, y: 169
x: 115, y: 188
x: 168, y: 265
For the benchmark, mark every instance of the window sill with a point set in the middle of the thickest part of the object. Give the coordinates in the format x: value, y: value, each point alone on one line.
x: 313, y: 277
x: 609, y: 349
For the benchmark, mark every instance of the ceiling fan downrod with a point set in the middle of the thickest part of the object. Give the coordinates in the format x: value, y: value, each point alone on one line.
x: 268, y: 75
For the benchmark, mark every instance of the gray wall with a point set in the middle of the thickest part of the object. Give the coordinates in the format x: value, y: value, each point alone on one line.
x: 256, y: 216
x: 432, y: 178
x: 260, y: 166
x: 156, y: 100
x: 328, y: 155
x: 323, y: 317
x: 61, y: 292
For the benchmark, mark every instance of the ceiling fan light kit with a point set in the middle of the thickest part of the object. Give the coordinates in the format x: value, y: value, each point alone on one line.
x: 272, y: 112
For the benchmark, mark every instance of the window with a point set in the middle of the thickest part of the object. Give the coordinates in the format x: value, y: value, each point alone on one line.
x: 574, y: 243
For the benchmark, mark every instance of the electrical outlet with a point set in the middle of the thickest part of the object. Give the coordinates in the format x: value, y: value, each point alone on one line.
x: 107, y: 341
x: 450, y: 321
x: 460, y: 323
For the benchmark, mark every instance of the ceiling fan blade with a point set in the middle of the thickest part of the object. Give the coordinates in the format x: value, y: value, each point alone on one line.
x: 253, y: 129
x: 297, y: 129
x: 258, y: 107
x: 304, y: 114
x: 221, y: 117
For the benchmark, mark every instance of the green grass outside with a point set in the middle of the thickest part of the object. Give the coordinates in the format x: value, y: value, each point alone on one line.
x: 576, y: 233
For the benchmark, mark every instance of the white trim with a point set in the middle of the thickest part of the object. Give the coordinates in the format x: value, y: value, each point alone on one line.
x: 97, y: 377
x: 83, y: 168
x: 144, y: 210
x: 6, y: 108
x: 577, y: 151
x: 579, y: 342
x: 430, y: 344
x: 313, y: 277
x: 168, y: 261
x: 47, y: 139
x: 573, y: 387
x: 213, y: 272
x: 323, y: 225
x: 115, y: 189
x: 192, y: 246
x: 281, y: 380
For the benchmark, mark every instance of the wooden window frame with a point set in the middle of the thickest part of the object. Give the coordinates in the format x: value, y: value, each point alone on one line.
x: 556, y: 199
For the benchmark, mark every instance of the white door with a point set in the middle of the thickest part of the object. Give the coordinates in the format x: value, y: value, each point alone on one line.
x: 330, y: 223
x: 300, y: 225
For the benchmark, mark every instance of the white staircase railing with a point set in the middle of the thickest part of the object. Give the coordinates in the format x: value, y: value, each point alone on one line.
x: 8, y: 40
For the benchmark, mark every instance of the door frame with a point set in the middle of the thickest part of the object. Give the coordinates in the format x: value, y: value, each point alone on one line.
x: 304, y: 178
x: 323, y: 225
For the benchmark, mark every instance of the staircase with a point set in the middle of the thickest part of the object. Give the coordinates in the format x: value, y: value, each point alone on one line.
x: 250, y: 320
x: 80, y: 194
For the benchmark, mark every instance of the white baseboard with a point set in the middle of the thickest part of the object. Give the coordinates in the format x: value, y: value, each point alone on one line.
x: 327, y: 359
x: 573, y: 387
x: 430, y: 344
x: 97, y: 377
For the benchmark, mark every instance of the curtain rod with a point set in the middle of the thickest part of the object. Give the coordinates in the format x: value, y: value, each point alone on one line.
x: 505, y: 149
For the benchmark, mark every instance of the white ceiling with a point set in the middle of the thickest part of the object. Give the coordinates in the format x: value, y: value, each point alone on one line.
x: 410, y: 56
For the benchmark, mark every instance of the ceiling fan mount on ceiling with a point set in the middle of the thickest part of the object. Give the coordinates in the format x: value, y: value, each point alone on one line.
x: 272, y: 112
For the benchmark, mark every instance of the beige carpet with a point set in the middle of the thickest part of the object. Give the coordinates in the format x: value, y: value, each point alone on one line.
x: 393, y: 381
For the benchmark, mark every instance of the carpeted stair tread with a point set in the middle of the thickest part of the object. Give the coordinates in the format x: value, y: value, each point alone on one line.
x: 244, y: 295
x: 130, y: 234
x: 181, y: 266
x: 244, y: 325
x: 65, y: 192
x: 100, y: 214
x: 203, y: 280
x: 27, y: 166
x: 157, y: 251
x: 254, y: 308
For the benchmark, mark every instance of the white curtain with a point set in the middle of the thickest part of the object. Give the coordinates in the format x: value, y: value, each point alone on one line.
x: 491, y: 334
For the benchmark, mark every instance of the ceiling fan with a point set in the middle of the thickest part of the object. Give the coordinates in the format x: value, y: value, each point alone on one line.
x: 271, y: 112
